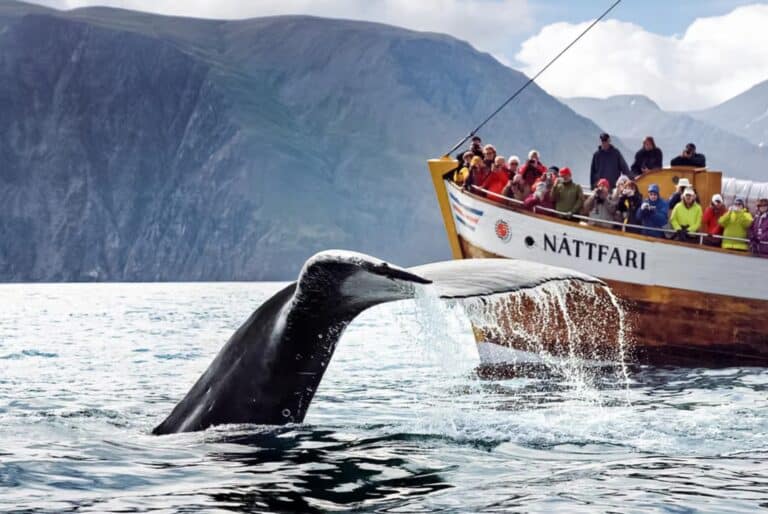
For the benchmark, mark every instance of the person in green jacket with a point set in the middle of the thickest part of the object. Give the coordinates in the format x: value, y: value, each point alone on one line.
x: 567, y: 195
x: 736, y: 223
x: 686, y: 216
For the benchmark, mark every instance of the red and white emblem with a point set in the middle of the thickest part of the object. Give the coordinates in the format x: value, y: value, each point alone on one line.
x: 502, y: 230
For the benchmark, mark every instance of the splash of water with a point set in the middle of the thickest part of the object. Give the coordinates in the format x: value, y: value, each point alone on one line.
x: 573, y: 330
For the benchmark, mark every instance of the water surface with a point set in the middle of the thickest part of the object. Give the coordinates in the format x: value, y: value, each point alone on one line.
x: 401, y: 423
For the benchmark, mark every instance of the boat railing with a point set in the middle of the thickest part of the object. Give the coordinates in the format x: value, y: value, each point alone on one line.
x: 700, y: 236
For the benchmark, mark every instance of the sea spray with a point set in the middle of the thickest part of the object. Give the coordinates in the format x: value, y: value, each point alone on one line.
x: 572, y: 329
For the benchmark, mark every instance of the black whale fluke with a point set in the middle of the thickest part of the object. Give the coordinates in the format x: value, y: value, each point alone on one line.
x: 268, y: 371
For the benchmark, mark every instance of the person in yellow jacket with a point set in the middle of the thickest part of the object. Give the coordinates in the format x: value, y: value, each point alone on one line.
x: 686, y: 216
x: 736, y: 223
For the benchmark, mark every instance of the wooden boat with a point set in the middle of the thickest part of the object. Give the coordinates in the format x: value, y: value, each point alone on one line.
x: 688, y: 303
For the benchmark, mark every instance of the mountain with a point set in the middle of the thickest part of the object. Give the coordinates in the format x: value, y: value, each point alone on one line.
x: 745, y: 114
x: 142, y: 147
x: 632, y: 117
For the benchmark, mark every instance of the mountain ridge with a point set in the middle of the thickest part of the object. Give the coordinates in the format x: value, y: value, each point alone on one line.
x: 180, y: 149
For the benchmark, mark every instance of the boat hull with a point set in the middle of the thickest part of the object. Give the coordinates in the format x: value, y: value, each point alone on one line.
x: 672, y: 326
x: 686, y: 304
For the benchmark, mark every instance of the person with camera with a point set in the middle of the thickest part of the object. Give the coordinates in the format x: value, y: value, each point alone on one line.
x: 710, y: 221
x: 758, y: 232
x: 567, y: 195
x: 598, y: 205
x: 653, y: 212
x: 686, y: 216
x: 736, y: 223
x: 475, y: 148
x: 626, y: 208
x: 689, y: 157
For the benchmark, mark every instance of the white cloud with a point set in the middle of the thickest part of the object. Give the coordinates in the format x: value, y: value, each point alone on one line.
x: 715, y: 59
x: 487, y: 24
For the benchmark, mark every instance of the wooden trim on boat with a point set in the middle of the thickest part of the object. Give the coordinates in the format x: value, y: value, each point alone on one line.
x: 437, y: 170
x: 683, y: 327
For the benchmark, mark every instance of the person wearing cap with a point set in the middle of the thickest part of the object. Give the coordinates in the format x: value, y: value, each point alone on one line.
x: 531, y: 171
x: 710, y: 220
x: 653, y: 212
x: 627, y: 206
x: 567, y: 195
x: 534, y: 156
x: 475, y: 148
x: 736, y: 223
x: 689, y: 157
x: 607, y: 163
x: 758, y: 232
x: 682, y: 184
x: 686, y: 216
x: 649, y: 157
x: 598, y: 205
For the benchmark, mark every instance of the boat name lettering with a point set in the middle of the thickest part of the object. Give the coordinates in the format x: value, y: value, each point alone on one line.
x: 625, y: 257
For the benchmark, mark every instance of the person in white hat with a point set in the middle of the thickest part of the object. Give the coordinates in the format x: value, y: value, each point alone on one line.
x: 686, y: 216
x: 678, y: 194
x: 710, y: 220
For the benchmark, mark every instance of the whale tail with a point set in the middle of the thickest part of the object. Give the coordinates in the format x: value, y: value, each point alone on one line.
x: 269, y: 370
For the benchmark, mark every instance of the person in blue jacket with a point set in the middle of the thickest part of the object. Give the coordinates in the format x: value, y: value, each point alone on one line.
x: 653, y: 212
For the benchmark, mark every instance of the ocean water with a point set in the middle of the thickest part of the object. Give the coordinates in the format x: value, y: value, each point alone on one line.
x: 401, y: 422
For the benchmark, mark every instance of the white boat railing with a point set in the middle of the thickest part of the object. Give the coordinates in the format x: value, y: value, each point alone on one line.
x: 619, y: 225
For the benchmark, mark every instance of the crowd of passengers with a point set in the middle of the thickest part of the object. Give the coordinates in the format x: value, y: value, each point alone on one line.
x: 615, y: 201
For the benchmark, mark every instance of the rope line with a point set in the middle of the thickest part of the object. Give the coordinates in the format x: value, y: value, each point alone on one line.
x: 531, y: 80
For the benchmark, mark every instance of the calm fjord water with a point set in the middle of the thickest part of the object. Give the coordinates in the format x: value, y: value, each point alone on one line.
x: 400, y: 422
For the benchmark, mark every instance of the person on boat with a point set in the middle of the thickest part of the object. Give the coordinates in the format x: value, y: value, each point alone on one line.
x: 513, y: 163
x: 497, y: 180
x: 567, y: 195
x: 489, y: 156
x: 682, y: 185
x: 686, y: 216
x: 598, y: 206
x: 542, y: 194
x: 711, y: 218
x: 531, y: 171
x: 462, y: 172
x: 689, y: 157
x: 534, y: 156
x: 628, y: 205
x: 653, y: 212
x: 607, y: 163
x: 517, y: 188
x: 649, y: 157
x: 542, y: 190
x: 736, y: 223
x: 758, y: 232
x: 618, y: 191
x: 478, y: 173
x: 475, y: 148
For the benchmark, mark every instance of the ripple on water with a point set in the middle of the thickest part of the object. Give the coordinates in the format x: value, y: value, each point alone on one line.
x: 401, y: 423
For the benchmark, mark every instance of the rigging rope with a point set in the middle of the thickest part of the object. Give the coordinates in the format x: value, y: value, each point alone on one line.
x: 531, y: 80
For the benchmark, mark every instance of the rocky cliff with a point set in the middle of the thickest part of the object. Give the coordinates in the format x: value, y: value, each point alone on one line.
x: 141, y: 147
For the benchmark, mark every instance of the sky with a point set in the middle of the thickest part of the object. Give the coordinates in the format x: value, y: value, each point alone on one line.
x: 683, y: 54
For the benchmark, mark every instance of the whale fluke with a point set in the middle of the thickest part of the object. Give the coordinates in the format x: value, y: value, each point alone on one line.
x: 268, y: 371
